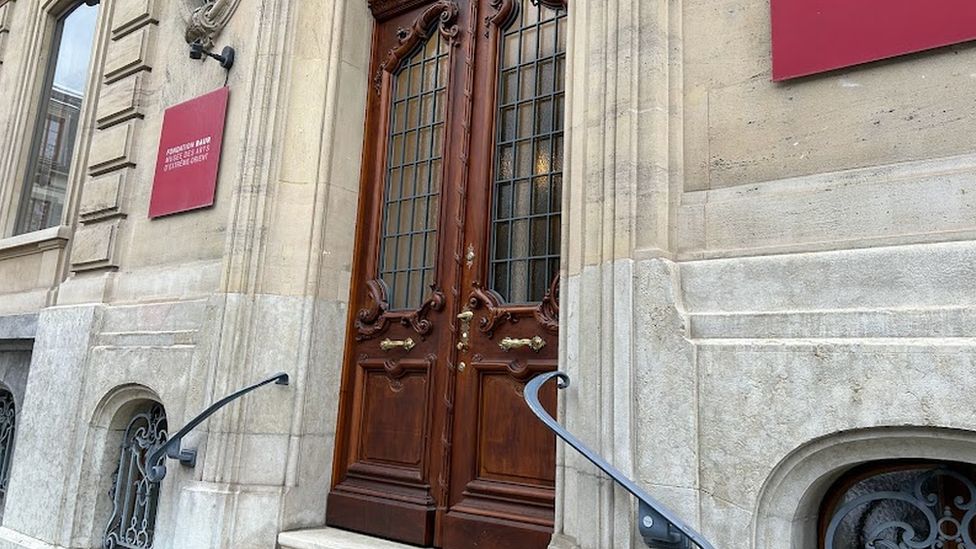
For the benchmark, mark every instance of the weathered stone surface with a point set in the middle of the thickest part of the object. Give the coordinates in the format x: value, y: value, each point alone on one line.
x: 19, y: 327
x: 111, y: 148
x: 330, y: 538
x: 130, y: 54
x: 131, y: 15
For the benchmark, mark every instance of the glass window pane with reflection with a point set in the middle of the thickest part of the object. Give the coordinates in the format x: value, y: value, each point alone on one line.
x: 42, y: 202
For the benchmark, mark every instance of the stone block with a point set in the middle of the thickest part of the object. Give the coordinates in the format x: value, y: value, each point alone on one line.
x: 129, y: 55
x: 18, y: 326
x: 120, y: 101
x: 111, y: 148
x: 93, y: 246
x: 330, y: 538
x: 872, y: 206
x: 131, y: 15
x: 49, y: 442
x: 101, y: 195
x: 924, y: 276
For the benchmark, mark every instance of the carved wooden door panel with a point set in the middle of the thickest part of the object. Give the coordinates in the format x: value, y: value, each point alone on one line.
x: 399, y: 343
x: 503, y: 463
x: 454, y: 298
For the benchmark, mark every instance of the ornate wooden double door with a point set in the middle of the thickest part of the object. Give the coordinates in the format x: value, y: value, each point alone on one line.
x: 455, y: 293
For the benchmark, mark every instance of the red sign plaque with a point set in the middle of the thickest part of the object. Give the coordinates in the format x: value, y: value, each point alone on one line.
x: 189, y: 154
x: 812, y: 36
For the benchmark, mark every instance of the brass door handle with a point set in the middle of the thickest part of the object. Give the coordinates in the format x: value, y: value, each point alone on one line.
x: 536, y: 343
x: 389, y: 344
x: 464, y: 341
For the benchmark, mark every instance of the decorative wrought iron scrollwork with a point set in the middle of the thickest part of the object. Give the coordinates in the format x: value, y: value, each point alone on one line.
x: 914, y: 518
x: 8, y: 417
x: 135, y: 498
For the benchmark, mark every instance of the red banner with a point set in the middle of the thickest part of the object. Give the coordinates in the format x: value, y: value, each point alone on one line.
x: 189, y: 154
x: 812, y: 36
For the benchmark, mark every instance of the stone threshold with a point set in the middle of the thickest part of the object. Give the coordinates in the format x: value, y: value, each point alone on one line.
x: 331, y: 538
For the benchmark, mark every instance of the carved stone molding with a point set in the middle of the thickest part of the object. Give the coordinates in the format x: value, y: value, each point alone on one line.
x: 375, y: 318
x: 205, y: 19
x: 443, y: 12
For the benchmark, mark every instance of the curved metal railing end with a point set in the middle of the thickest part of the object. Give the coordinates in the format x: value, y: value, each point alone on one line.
x: 658, y: 524
x: 172, y: 447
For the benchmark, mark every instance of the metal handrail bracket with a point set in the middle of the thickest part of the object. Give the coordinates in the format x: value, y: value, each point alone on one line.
x: 172, y: 447
x: 658, y: 525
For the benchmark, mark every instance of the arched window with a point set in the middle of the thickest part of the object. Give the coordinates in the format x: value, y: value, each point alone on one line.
x: 8, y: 417
x: 900, y: 505
x: 134, y: 498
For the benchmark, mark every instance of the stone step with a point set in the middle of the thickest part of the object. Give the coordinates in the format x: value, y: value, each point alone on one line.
x: 330, y: 538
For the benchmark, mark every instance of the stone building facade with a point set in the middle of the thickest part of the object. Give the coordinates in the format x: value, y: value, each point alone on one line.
x: 764, y: 286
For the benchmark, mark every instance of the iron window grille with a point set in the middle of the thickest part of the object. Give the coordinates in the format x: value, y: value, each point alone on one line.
x: 8, y: 420
x: 135, y: 499
x: 900, y: 505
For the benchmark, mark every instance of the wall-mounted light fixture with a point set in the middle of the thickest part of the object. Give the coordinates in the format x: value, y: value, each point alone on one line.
x: 226, y: 57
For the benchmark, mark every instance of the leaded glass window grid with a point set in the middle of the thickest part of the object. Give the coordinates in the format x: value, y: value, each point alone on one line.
x: 528, y: 171
x: 414, y: 162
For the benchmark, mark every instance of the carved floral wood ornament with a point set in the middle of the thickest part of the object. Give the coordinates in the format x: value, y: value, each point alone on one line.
x: 205, y: 19
x: 375, y: 318
x: 443, y: 12
x: 546, y: 313
x: 505, y: 10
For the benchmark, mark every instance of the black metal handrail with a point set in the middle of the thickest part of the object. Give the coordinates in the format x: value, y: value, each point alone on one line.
x: 172, y: 447
x: 659, y: 526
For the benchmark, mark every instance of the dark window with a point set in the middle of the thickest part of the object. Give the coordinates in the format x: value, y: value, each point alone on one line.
x: 45, y: 189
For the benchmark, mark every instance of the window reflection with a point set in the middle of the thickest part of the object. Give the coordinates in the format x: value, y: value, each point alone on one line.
x: 42, y: 202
